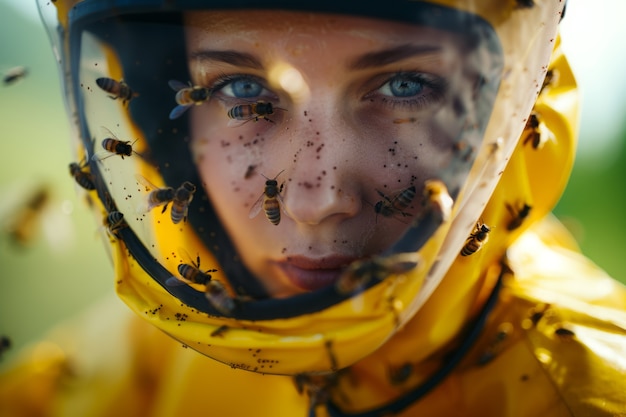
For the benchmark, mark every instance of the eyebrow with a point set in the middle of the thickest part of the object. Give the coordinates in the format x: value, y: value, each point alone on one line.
x: 388, y: 56
x: 240, y: 59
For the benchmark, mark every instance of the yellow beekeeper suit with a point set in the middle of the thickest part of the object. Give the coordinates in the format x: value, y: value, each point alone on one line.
x: 528, y: 328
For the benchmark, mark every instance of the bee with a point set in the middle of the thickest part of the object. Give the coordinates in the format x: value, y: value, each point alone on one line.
x: 180, y: 203
x: 538, y: 134
x: 476, y: 240
x: 271, y: 201
x: 117, y: 89
x: 187, y: 95
x: 437, y: 198
x: 26, y: 220
x: 14, y: 74
x: 114, y: 221
x: 118, y: 147
x: 395, y: 205
x: 5, y: 344
x: 156, y: 197
x: 191, y: 273
x: 113, y: 146
x: 219, y: 298
x: 361, y: 272
x: 243, y: 113
x: 518, y: 216
x: 82, y: 178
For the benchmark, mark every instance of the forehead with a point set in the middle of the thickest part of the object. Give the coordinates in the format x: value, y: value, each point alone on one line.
x: 254, y: 25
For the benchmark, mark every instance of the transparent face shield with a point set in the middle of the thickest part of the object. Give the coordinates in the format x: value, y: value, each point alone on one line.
x: 266, y: 164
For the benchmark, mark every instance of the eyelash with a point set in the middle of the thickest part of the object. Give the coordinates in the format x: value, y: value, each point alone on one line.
x: 224, y: 80
x: 435, y: 88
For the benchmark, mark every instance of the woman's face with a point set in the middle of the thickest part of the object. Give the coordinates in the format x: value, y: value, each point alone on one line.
x: 363, y: 110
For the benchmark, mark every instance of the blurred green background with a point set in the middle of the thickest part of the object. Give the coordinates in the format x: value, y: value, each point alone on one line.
x: 57, y: 275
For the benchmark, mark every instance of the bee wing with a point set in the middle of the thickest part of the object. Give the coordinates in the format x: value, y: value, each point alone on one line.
x: 239, y: 122
x: 186, y: 257
x: 109, y: 133
x: 177, y: 85
x: 217, y: 295
x: 279, y: 197
x: 256, y: 207
x: 144, y: 181
x: 147, y: 204
x: 175, y: 281
x: 101, y: 156
x: 178, y: 111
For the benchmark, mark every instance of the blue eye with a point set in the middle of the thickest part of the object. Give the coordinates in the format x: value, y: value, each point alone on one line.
x: 403, y: 85
x: 242, y: 87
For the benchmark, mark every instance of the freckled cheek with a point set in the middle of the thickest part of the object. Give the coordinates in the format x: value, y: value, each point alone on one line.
x: 226, y: 169
x: 423, y: 146
x: 230, y: 161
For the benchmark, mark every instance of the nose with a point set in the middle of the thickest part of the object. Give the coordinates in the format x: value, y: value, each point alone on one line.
x: 322, y: 199
x: 324, y: 183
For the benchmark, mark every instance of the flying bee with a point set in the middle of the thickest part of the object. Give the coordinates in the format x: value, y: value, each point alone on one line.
x: 394, y: 206
x: 187, y: 95
x: 14, y: 74
x: 476, y: 240
x: 361, y: 272
x: 82, y: 178
x: 518, y: 216
x: 25, y: 221
x: 118, y: 147
x: 243, y: 113
x: 437, y: 199
x: 219, y: 298
x: 113, y: 146
x: 357, y: 276
x: 5, y: 344
x: 117, y: 89
x: 271, y: 201
x: 538, y: 134
x: 156, y: 197
x: 180, y: 203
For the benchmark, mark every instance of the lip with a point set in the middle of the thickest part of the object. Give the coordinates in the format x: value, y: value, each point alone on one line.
x: 314, y: 273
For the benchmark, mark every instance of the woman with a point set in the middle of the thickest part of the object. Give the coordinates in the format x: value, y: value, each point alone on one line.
x: 345, y: 205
